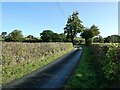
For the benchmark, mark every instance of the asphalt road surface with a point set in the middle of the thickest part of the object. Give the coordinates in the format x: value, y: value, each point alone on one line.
x: 54, y: 75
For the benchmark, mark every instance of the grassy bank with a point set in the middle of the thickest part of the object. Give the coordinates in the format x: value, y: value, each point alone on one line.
x: 85, y: 75
x: 19, y: 59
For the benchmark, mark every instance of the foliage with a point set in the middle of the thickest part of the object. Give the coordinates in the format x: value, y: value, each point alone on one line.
x: 31, y: 38
x: 46, y: 35
x: 97, y: 69
x: 112, y: 39
x: 58, y: 37
x: 88, y: 34
x: 3, y: 34
x: 19, y: 59
x: 98, y: 39
x: 109, y: 61
x: 85, y: 75
x: 73, y: 26
x: 50, y: 36
x: 15, y: 35
x: 79, y: 40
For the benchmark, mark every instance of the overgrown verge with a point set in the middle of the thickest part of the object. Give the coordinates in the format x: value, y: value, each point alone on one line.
x: 85, y: 75
x: 19, y: 59
x: 99, y: 67
x: 108, y: 63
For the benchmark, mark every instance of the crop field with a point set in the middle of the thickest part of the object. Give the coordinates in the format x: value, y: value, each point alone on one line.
x: 19, y: 59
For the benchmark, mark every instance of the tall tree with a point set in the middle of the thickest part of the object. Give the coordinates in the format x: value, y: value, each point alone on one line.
x: 15, y: 35
x: 89, y: 33
x: 47, y: 35
x: 73, y: 26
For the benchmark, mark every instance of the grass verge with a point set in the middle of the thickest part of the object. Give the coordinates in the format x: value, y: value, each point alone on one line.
x: 85, y: 75
x: 23, y: 69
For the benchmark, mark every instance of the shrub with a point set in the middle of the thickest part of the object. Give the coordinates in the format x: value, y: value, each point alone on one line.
x: 108, y: 58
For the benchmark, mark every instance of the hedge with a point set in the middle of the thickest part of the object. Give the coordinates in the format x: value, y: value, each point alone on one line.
x: 19, y: 58
x: 108, y: 61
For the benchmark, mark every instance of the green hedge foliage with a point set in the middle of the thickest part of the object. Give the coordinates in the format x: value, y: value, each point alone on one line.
x: 19, y: 59
x: 108, y: 58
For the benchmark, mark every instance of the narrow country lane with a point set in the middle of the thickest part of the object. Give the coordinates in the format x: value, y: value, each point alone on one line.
x: 53, y: 75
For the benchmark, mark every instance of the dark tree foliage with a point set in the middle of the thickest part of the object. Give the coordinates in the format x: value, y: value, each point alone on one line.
x: 31, y: 39
x: 62, y: 37
x: 50, y: 36
x: 112, y: 39
x: 89, y: 33
x: 15, y: 36
x: 73, y: 26
x: 3, y: 34
x: 98, y: 39
x: 58, y: 37
x: 46, y: 35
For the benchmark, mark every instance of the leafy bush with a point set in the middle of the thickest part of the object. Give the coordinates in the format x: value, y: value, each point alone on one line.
x: 15, y: 36
x: 108, y: 56
x: 19, y: 59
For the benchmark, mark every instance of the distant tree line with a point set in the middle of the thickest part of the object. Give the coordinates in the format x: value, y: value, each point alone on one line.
x: 109, y: 39
x: 50, y: 36
x: 73, y: 27
x: 45, y: 36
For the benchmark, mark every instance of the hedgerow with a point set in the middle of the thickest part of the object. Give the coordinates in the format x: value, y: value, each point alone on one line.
x: 108, y: 61
x: 19, y: 58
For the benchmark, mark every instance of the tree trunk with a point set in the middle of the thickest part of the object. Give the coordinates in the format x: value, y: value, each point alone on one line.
x: 86, y: 42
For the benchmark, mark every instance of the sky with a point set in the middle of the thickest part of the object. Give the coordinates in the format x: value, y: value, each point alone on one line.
x: 34, y: 17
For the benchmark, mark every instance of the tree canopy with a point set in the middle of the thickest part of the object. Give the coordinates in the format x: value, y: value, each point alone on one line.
x: 89, y: 33
x: 112, y: 39
x: 15, y: 35
x: 98, y: 39
x: 50, y: 36
x: 73, y: 26
x: 46, y: 35
x: 3, y: 34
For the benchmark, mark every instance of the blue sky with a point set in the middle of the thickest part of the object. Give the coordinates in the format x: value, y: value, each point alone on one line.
x: 33, y: 18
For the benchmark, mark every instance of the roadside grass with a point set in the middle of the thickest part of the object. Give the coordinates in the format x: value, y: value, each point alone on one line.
x: 21, y: 70
x: 85, y: 75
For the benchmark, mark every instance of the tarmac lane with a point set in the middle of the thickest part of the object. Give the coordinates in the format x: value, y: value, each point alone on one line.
x: 53, y: 75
